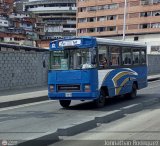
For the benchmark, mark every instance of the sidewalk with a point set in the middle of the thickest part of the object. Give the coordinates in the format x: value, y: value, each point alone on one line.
x: 23, y: 96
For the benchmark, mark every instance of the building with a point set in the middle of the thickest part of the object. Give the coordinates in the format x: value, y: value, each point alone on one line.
x: 19, y: 5
x: 18, y: 29
x: 6, y: 6
x: 56, y: 18
x: 104, y: 18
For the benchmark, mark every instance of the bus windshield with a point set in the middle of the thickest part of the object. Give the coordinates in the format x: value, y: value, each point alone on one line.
x: 68, y: 59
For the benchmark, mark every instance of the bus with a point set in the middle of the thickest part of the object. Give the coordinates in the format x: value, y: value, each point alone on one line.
x: 90, y: 68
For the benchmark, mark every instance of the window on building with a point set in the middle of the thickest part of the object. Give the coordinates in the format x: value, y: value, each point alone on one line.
x: 145, y: 14
x: 156, y: 1
x: 101, y: 7
x: 155, y: 49
x: 82, y: 9
x: 113, y: 6
x: 146, y: 2
x: 115, y: 55
x: 111, y: 17
x: 91, y: 30
x: 91, y: 19
x: 143, y: 26
x: 156, y: 13
x: 155, y: 25
x: 111, y: 28
x: 126, y: 56
x: 83, y: 30
x: 136, y: 38
x: 94, y: 8
x: 81, y: 20
x: 101, y: 18
x: 101, y: 29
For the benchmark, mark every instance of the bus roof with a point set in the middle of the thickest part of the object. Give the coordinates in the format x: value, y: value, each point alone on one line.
x: 119, y: 42
x: 88, y: 42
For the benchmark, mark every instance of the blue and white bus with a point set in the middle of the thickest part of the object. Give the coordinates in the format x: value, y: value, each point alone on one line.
x: 89, y: 68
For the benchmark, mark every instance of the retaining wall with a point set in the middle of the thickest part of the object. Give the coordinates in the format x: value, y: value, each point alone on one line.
x: 23, y: 69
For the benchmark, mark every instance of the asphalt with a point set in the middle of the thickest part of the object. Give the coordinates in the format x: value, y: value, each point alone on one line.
x: 10, y: 98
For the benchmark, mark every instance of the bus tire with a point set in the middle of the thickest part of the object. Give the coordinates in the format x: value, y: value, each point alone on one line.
x: 65, y: 103
x: 133, y: 93
x: 100, y: 102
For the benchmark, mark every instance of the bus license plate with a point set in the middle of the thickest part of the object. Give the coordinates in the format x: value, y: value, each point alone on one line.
x: 68, y: 94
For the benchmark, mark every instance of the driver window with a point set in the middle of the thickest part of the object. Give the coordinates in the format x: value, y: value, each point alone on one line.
x: 103, y: 56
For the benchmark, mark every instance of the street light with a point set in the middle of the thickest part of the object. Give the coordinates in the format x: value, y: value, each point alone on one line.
x: 124, y: 20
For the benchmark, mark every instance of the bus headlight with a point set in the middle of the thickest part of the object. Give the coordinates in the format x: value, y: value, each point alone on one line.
x: 51, y: 88
x: 87, y: 88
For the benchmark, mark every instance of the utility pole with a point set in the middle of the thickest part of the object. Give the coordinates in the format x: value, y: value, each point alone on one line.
x: 124, y: 20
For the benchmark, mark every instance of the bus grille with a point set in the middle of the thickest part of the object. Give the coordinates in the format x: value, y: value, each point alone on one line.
x: 68, y: 88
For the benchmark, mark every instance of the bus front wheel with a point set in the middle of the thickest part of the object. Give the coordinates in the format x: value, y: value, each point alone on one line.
x: 65, y: 103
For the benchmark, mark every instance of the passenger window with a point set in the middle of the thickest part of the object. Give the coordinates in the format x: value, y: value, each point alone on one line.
x: 103, y: 56
x: 136, y: 56
x: 115, y: 56
x: 143, y: 56
x: 126, y: 56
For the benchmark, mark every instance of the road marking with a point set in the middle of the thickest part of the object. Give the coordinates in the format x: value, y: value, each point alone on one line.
x: 25, y: 105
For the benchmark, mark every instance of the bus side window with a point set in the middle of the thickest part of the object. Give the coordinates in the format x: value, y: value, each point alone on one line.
x: 136, y: 56
x: 143, y: 56
x: 126, y: 56
x: 115, y: 56
x: 103, y: 56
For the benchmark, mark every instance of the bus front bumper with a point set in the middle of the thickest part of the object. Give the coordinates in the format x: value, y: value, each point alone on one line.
x: 73, y: 96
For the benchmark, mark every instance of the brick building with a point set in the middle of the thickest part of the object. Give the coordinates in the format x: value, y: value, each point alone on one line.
x: 104, y: 18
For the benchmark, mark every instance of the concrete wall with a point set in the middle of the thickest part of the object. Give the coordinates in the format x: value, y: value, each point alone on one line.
x: 23, y: 69
x: 153, y: 64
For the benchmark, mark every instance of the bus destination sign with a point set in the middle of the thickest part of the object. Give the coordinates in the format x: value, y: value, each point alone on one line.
x: 69, y: 43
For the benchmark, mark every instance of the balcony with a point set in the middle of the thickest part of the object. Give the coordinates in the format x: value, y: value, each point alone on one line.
x: 42, y: 9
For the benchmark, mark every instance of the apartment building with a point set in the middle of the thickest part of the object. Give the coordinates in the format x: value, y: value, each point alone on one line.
x: 105, y: 18
x: 58, y: 17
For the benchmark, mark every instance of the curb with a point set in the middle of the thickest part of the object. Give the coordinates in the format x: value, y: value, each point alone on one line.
x: 23, y: 101
x: 153, y: 79
x: 77, y: 127
x: 42, y: 140
x: 105, y: 118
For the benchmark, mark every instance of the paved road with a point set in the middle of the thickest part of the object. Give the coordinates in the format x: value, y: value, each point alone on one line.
x: 26, y: 121
x: 134, y: 129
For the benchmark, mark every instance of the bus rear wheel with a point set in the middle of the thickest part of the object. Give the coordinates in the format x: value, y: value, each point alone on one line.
x: 133, y: 93
x: 100, y: 102
x: 65, y: 103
